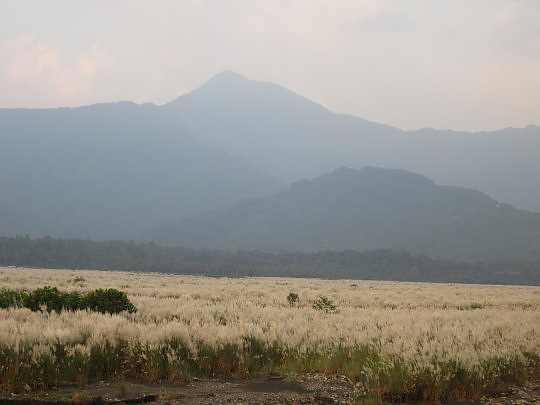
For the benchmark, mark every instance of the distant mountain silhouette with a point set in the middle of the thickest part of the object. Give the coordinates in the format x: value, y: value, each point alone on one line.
x: 294, y: 138
x: 111, y: 170
x: 368, y: 209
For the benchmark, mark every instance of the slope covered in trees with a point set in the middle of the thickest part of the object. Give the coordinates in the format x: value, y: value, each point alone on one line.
x: 109, y: 171
x: 363, y: 210
x: 148, y: 257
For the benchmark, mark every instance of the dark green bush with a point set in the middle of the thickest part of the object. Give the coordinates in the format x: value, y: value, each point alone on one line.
x: 324, y: 304
x: 110, y: 301
x: 12, y: 298
x: 293, y: 299
x: 50, y: 299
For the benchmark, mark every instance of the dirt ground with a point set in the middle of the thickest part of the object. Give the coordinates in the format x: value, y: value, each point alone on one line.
x: 309, y: 389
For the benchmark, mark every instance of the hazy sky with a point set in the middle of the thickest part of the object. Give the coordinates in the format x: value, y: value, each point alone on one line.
x: 461, y: 64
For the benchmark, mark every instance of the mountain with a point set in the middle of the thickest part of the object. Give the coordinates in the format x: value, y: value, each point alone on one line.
x: 363, y: 210
x: 110, y: 170
x: 294, y: 138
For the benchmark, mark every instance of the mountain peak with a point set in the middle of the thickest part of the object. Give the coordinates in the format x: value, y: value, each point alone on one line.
x: 222, y: 85
x: 379, y: 175
x: 243, y: 97
x: 228, y: 74
x: 225, y: 80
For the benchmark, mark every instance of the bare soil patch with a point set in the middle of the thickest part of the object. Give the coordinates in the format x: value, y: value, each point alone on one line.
x: 310, y: 389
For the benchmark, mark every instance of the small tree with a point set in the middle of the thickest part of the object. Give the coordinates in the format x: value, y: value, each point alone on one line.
x: 293, y: 299
x: 324, y: 304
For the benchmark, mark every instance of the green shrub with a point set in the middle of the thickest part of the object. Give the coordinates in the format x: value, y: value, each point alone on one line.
x: 51, y: 299
x: 293, y: 299
x: 324, y: 304
x: 12, y: 299
x: 110, y: 300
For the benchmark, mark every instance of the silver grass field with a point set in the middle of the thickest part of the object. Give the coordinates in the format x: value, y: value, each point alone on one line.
x: 395, y: 340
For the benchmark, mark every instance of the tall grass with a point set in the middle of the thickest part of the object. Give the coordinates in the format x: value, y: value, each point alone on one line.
x: 375, y: 374
x: 396, y: 341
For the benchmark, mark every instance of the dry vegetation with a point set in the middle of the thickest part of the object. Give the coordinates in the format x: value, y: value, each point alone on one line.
x: 395, y: 340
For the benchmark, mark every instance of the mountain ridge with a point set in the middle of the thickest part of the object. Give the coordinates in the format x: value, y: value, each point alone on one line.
x: 110, y: 170
x: 364, y: 210
x: 292, y: 138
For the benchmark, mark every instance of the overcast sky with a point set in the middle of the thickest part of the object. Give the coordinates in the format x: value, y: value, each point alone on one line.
x: 461, y: 64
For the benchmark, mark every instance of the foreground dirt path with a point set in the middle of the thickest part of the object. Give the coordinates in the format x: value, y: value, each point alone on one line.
x: 310, y: 389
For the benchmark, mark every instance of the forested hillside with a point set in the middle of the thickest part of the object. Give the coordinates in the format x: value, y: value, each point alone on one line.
x: 110, y: 171
x: 362, y: 210
x: 148, y: 257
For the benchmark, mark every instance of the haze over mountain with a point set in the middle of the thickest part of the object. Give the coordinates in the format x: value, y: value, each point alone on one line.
x: 368, y: 209
x: 293, y: 138
x: 111, y: 170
